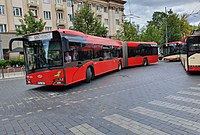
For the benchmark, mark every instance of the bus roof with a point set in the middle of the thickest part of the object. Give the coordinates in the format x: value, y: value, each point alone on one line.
x: 135, y: 44
x: 92, y: 39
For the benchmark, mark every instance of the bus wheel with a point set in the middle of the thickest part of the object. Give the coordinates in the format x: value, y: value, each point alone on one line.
x: 145, y: 62
x: 119, y: 66
x: 89, y: 75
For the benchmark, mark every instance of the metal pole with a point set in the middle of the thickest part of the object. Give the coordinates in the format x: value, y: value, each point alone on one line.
x: 166, y: 36
x: 73, y: 14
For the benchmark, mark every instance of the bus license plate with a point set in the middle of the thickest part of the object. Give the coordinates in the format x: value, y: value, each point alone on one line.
x: 41, y: 83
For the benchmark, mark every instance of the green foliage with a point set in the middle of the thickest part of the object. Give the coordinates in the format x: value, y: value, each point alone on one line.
x: 4, y: 63
x: 177, y: 27
x: 29, y: 24
x: 174, y: 28
x: 152, y: 34
x: 129, y: 32
x: 85, y: 21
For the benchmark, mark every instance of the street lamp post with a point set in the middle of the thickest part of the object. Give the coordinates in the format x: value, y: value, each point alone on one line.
x: 166, y: 29
x: 166, y: 36
x: 73, y: 14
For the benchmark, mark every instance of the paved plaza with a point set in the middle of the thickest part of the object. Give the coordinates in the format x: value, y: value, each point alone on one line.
x: 159, y: 99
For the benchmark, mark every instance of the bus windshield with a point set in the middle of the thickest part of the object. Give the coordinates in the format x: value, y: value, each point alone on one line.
x: 43, y: 54
x: 194, y: 44
x: 171, y: 49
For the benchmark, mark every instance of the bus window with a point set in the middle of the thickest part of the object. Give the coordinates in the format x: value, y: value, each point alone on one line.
x: 107, y: 52
x: 98, y: 52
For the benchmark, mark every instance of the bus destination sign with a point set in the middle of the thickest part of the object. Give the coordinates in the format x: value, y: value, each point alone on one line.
x: 42, y: 36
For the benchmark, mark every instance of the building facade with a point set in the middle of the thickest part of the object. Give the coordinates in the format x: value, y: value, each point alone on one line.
x: 57, y: 14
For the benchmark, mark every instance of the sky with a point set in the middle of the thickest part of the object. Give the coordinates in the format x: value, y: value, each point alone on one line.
x: 141, y: 11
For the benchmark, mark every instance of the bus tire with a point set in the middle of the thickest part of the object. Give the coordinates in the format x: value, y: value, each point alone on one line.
x: 89, y: 75
x: 119, y: 66
x: 145, y: 62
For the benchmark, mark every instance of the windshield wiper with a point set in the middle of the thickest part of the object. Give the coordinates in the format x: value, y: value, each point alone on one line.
x: 40, y: 60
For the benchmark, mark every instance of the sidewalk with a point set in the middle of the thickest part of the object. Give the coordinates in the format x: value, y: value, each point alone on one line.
x: 12, y: 75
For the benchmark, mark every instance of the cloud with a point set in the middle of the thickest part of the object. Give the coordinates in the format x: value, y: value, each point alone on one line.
x: 145, y: 9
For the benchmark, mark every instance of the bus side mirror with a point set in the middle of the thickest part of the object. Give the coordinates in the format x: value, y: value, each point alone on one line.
x: 12, y: 40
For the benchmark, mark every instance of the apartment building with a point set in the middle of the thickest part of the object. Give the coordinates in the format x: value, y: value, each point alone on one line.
x: 57, y: 14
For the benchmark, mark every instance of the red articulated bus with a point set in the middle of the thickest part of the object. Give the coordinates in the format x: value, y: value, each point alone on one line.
x: 140, y: 53
x: 64, y: 57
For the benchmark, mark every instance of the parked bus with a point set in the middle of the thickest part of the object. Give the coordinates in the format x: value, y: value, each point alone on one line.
x: 171, y: 51
x: 64, y: 57
x: 190, y: 53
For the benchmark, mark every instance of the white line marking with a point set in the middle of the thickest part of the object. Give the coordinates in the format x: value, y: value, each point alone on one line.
x: 4, y: 119
x: 17, y: 116
x: 188, y: 100
x: 194, y: 88
x: 189, y: 93
x: 29, y: 113
x: 133, y: 126
x: 85, y: 129
x: 39, y: 110
x: 168, y: 118
x: 176, y: 107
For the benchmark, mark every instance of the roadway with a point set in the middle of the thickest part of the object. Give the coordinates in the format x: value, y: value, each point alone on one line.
x: 158, y: 99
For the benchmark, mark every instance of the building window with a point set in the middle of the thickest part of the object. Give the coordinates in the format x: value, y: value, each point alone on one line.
x: 17, y: 11
x: 99, y: 19
x: 117, y: 10
x: 1, y: 9
x: 46, y: 1
x: 90, y: 6
x: 80, y: 5
x: 59, y: 16
x: 69, y: 3
x: 106, y: 9
x: 47, y: 15
x: 48, y: 28
x: 98, y: 8
x: 17, y: 26
x: 34, y: 11
x: 117, y: 22
x: 69, y: 17
x: 3, y: 28
x: 106, y: 21
x: 58, y: 1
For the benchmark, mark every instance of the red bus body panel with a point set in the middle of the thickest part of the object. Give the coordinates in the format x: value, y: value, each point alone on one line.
x: 135, y: 61
x: 152, y: 59
x: 48, y: 77
x: 194, y: 69
x: 138, y: 60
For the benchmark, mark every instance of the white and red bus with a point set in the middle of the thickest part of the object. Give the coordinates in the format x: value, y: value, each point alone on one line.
x: 64, y: 57
x: 171, y: 51
x: 190, y: 53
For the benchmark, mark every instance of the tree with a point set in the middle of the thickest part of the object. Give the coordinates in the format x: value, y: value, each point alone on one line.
x: 128, y: 32
x: 85, y: 21
x: 186, y: 28
x: 177, y: 26
x: 152, y: 34
x: 29, y: 24
x: 174, y: 28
